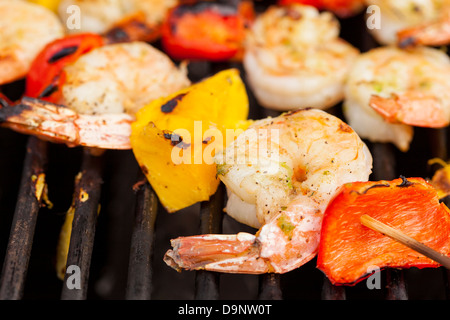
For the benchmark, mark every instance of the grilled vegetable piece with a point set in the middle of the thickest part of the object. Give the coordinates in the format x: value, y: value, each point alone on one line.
x: 206, y: 31
x: 441, y: 178
x: 173, y: 136
x: 347, y: 248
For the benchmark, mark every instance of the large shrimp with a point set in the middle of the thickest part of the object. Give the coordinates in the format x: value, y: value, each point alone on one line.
x: 389, y: 90
x: 102, y: 16
x: 25, y: 29
x: 293, y: 166
x: 412, y: 22
x: 295, y: 59
x: 102, y: 91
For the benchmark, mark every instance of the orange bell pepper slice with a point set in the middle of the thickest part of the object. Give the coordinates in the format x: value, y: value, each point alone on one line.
x: 348, y: 249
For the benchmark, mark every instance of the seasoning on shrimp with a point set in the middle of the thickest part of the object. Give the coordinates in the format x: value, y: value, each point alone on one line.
x: 281, y: 189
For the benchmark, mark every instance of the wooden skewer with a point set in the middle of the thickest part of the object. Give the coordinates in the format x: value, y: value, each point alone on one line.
x: 412, y: 243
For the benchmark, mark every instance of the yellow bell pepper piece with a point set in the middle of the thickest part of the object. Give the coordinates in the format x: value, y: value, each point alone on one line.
x: 174, y: 138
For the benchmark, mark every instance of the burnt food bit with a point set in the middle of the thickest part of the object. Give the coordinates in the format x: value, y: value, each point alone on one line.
x: 172, y: 103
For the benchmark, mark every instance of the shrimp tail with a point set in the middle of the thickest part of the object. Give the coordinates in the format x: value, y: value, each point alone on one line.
x: 59, y: 124
x: 435, y: 33
x: 237, y: 253
x: 287, y: 242
x: 411, y: 109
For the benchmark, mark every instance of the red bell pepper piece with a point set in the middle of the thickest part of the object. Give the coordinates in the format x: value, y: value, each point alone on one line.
x: 45, y: 75
x: 342, y: 8
x: 347, y: 248
x: 206, y: 31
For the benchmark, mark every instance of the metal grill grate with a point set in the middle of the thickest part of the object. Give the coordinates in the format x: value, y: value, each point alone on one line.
x: 120, y: 251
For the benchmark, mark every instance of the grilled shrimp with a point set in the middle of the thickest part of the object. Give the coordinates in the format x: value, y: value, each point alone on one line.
x: 389, y: 90
x: 412, y: 22
x: 295, y: 59
x: 100, y: 16
x: 102, y: 91
x: 120, y: 78
x: 293, y: 166
x: 25, y: 29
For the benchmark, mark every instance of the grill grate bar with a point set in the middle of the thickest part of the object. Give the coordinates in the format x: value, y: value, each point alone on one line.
x: 86, y: 203
x: 384, y: 169
x: 18, y: 252
x: 270, y: 287
x: 139, y: 284
x: 332, y: 292
x: 206, y: 282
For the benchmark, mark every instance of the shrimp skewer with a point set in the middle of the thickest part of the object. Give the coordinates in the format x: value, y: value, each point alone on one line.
x: 304, y: 157
x: 21, y: 42
x: 294, y: 58
x: 389, y: 90
x: 101, y: 92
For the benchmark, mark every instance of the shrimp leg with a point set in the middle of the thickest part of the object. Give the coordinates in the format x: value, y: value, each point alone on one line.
x: 296, y: 232
x: 412, y: 109
x: 59, y: 124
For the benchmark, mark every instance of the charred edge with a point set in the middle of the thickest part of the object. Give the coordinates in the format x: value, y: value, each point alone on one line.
x: 137, y: 24
x: 3, y: 103
x: 176, y: 140
x: 64, y: 52
x: 11, y: 111
x: 207, y: 140
x: 49, y: 90
x: 172, y: 103
x: 144, y: 169
x: 345, y: 128
x: 293, y: 14
x: 292, y: 112
x: 117, y: 34
x: 199, y: 7
x: 405, y: 183
x: 407, y: 42
x: 380, y: 185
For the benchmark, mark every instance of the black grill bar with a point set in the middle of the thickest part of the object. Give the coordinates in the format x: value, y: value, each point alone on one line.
x: 332, y: 292
x: 15, y: 265
x: 270, y: 287
x: 211, y: 215
x: 86, y: 202
x: 139, y: 284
